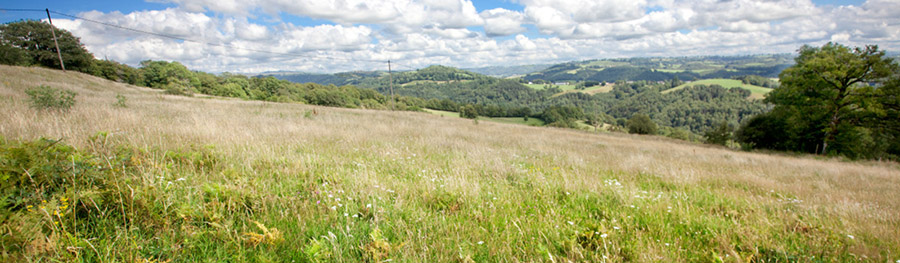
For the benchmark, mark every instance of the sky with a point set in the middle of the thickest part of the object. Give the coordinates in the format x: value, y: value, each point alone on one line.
x: 327, y: 36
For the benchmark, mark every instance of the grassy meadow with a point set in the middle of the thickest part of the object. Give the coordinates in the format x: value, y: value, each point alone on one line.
x: 184, y: 179
x: 510, y: 120
x: 756, y: 92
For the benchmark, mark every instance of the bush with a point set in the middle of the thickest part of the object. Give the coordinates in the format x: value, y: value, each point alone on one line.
x: 468, y: 112
x: 121, y: 101
x: 719, y: 135
x: 47, y: 98
x: 641, y: 124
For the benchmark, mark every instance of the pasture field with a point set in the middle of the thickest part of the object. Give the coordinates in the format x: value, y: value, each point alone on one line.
x: 184, y: 179
x: 756, y: 92
x: 543, y: 86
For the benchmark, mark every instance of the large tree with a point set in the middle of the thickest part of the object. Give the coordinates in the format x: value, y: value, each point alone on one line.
x: 833, y: 89
x: 36, y: 40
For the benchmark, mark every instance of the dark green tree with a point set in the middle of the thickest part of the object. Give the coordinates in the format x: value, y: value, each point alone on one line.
x: 720, y: 135
x: 641, y: 124
x: 36, y: 40
x: 468, y: 111
x: 833, y: 88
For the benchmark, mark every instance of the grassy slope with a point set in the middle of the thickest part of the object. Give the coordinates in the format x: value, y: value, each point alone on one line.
x: 353, y: 185
x: 756, y: 92
x: 515, y: 120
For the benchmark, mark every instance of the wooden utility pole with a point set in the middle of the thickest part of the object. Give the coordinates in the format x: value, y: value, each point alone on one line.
x: 391, y: 79
x: 52, y: 31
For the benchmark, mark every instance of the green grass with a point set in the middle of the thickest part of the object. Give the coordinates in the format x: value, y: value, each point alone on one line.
x: 543, y: 86
x: 756, y: 92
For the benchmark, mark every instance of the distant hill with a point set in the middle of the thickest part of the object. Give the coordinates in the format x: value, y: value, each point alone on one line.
x: 509, y: 71
x: 757, y: 92
x: 661, y: 69
x: 338, y: 79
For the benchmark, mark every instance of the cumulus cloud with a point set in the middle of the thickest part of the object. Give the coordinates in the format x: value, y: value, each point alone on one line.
x: 502, y: 22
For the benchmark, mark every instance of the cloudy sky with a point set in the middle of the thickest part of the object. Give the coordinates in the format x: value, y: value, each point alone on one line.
x: 252, y: 36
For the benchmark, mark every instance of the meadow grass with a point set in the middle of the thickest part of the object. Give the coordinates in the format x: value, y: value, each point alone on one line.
x: 213, y: 180
x: 756, y: 92
x: 510, y: 120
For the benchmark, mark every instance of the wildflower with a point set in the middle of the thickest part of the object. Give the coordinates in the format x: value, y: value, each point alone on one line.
x: 368, y: 205
x: 616, y: 228
x: 180, y: 179
x: 667, y: 244
x: 355, y: 215
x: 570, y: 222
x: 346, y: 214
x: 851, y: 236
x: 333, y: 207
x: 604, y: 235
x: 64, y: 199
x: 480, y: 242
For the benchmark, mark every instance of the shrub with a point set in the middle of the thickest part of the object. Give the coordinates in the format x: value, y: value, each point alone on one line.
x: 121, y: 101
x: 468, y: 112
x: 47, y: 98
x: 641, y: 124
x: 719, y: 135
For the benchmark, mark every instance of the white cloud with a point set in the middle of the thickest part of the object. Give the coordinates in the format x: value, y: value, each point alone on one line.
x: 502, y: 22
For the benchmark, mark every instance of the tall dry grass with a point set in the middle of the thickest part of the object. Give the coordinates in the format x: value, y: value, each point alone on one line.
x: 362, y: 149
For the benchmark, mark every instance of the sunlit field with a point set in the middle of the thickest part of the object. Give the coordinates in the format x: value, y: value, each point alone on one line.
x: 181, y: 179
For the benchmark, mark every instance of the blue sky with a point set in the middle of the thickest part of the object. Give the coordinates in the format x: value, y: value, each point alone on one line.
x: 341, y: 35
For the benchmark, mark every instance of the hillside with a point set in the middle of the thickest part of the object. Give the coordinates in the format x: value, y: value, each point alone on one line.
x: 757, y: 92
x: 181, y: 179
x: 662, y: 69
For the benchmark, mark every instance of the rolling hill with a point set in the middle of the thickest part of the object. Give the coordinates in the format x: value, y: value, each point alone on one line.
x: 170, y: 178
x: 757, y: 92
x: 662, y: 69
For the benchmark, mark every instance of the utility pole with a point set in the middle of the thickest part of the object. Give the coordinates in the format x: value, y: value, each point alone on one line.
x: 391, y: 78
x: 52, y: 31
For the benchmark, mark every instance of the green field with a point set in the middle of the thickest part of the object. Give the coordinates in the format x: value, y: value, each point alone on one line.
x: 756, y: 92
x: 167, y: 178
x: 543, y: 86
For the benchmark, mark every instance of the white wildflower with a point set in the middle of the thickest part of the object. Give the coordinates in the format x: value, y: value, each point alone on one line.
x: 604, y: 235
x: 851, y: 236
x: 570, y: 222
x: 480, y: 242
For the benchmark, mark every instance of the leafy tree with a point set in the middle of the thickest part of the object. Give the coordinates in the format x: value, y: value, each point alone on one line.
x: 468, y: 112
x: 720, y: 135
x: 833, y: 88
x: 36, y: 40
x: 562, y: 116
x: 641, y: 124
x: 10, y: 55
